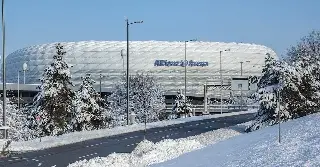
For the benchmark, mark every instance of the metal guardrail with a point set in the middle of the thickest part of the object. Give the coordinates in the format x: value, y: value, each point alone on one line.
x: 217, y: 108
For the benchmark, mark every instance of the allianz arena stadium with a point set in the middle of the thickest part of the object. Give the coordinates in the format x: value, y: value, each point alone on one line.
x: 164, y: 60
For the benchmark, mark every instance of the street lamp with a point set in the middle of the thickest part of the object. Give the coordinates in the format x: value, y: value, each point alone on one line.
x: 241, y: 101
x: 241, y: 63
x: 185, y: 73
x: 221, y: 78
x: 3, y: 72
x: 128, y: 24
x: 19, y: 89
x: 25, y: 68
x: 100, y: 85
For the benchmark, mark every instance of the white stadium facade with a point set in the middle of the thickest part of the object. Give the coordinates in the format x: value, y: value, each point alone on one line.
x: 164, y: 60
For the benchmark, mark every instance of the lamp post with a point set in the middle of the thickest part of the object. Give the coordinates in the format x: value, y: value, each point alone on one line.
x: 25, y: 68
x: 18, y: 89
x: 241, y: 63
x: 128, y: 24
x: 221, y: 81
x: 279, y: 118
x: 241, y: 68
x: 185, y: 73
x: 3, y: 72
x: 100, y: 86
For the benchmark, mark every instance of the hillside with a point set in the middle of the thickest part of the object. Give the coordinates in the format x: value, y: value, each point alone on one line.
x: 300, y: 146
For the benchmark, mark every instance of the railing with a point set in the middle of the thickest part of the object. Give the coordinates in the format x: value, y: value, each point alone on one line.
x: 217, y: 108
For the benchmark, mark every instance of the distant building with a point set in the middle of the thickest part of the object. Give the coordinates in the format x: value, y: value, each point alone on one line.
x: 164, y: 60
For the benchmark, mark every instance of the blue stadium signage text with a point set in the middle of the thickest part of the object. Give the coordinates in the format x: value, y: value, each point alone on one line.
x: 180, y: 63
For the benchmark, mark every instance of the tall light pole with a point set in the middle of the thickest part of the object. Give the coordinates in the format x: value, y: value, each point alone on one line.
x: 185, y: 73
x: 100, y: 86
x: 18, y: 89
x: 221, y: 81
x: 25, y: 68
x: 241, y: 101
x: 241, y: 62
x: 279, y: 119
x: 128, y: 24
x: 3, y: 71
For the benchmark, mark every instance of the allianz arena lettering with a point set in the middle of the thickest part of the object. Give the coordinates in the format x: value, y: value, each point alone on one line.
x: 180, y: 63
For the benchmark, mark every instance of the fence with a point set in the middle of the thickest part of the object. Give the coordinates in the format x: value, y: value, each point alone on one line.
x: 199, y: 109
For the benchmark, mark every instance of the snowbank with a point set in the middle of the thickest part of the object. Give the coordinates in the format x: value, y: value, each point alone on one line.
x: 53, y: 141
x: 4, y: 145
x: 147, y: 153
x: 300, y: 146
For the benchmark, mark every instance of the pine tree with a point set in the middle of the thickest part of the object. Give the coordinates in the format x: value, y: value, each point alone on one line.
x: 51, y: 112
x: 90, y: 113
x: 278, y: 77
x: 146, y: 99
x: 305, y: 57
x: 182, y: 107
x: 298, y: 81
x: 268, y: 85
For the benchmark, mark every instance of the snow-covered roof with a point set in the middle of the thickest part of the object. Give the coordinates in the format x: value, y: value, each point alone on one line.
x: 104, y: 57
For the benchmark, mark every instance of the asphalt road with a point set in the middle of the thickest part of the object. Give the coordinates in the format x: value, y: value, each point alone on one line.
x: 64, y: 155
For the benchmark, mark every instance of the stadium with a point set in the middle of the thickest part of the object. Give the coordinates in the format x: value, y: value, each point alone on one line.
x: 164, y: 60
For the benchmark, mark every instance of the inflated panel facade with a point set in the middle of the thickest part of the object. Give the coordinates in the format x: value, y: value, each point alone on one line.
x: 164, y: 60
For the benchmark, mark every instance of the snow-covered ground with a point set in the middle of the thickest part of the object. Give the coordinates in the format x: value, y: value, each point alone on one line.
x: 147, y: 153
x: 300, y: 146
x: 53, y: 141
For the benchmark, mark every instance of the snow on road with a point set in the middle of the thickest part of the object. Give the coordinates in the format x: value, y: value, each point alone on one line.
x: 300, y: 146
x: 53, y: 141
x: 147, y: 153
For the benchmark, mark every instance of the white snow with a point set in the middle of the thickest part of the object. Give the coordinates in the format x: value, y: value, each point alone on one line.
x: 147, y: 153
x: 53, y: 141
x: 4, y: 145
x: 300, y: 146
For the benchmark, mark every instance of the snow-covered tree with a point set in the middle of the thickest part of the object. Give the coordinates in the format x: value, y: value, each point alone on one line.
x: 16, y: 120
x: 305, y: 57
x: 89, y: 111
x: 298, y: 81
x: 268, y: 86
x: 51, y: 112
x: 182, y: 107
x: 146, y: 98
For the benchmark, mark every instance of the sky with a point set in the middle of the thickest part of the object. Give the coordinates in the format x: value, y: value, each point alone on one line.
x: 273, y: 23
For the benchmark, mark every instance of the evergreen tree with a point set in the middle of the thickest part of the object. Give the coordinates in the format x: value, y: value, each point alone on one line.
x: 277, y: 77
x: 51, y: 112
x: 305, y: 57
x: 146, y: 99
x: 268, y: 85
x: 90, y: 113
x: 182, y: 107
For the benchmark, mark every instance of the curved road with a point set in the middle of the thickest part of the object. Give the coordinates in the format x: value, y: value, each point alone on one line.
x: 64, y: 155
